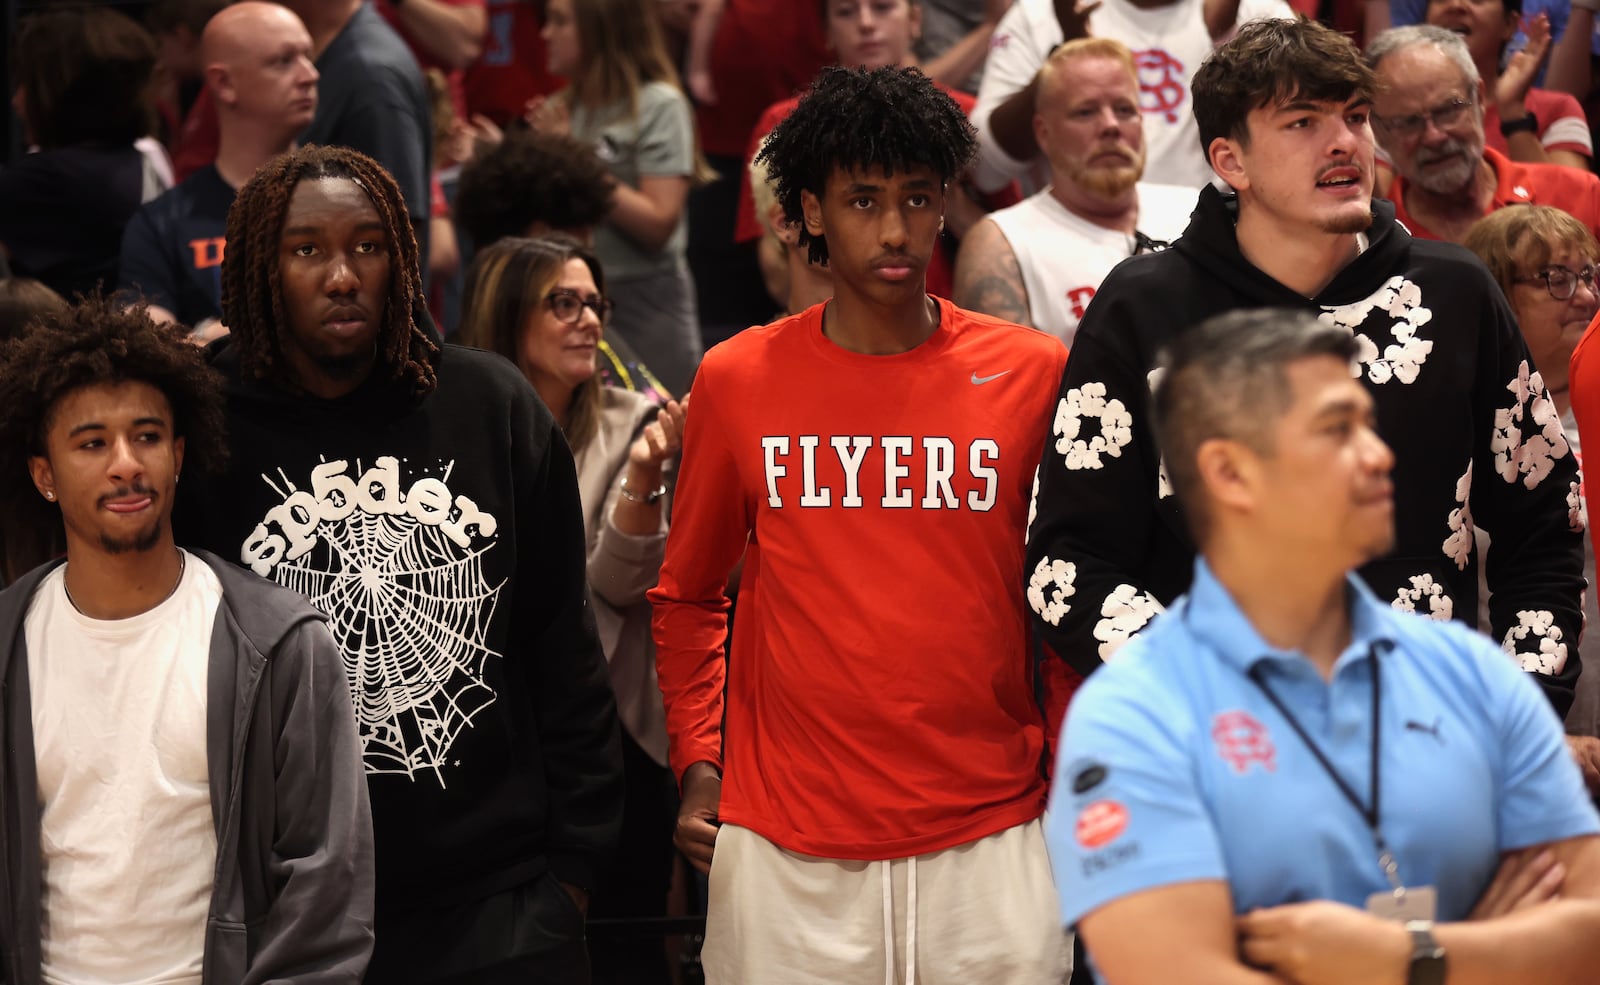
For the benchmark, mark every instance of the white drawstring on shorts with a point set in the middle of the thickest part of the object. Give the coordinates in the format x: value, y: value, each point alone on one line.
x: 888, y: 921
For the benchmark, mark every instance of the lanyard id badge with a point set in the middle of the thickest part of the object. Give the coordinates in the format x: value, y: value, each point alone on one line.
x: 1399, y: 903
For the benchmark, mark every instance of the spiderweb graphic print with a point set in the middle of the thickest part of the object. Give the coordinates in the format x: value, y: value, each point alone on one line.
x: 410, y: 610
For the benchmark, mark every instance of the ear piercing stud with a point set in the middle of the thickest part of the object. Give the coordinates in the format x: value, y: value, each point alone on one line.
x: 50, y: 496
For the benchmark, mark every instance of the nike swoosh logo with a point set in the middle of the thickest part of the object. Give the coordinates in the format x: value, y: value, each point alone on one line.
x: 981, y: 380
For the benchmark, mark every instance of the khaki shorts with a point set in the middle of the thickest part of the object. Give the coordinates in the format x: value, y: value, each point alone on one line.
x: 983, y: 913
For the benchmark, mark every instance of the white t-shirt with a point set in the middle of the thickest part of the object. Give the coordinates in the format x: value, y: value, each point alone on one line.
x: 1168, y: 43
x: 1064, y: 257
x: 126, y: 835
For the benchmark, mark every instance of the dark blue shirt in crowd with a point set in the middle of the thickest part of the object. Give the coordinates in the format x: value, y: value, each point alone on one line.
x: 172, y: 249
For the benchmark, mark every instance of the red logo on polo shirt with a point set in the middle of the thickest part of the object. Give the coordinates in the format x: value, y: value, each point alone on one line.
x: 1101, y: 823
x: 1241, y: 741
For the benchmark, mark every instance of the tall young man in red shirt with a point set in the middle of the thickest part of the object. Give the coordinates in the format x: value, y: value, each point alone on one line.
x: 864, y: 769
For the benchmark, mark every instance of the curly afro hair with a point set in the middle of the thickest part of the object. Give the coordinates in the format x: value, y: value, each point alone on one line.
x: 892, y: 119
x: 530, y: 178
x: 252, y: 293
x: 93, y: 342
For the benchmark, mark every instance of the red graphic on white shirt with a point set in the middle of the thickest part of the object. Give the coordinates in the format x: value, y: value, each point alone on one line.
x: 1162, y: 88
x: 1101, y: 823
x: 1242, y: 740
x: 1079, y: 298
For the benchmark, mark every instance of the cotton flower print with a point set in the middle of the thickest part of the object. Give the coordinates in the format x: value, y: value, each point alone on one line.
x: 1056, y: 577
x: 1537, y: 642
x: 1527, y: 439
x: 1124, y: 613
x: 1458, y: 546
x: 1089, y: 403
x: 1424, y: 589
x: 1401, y: 360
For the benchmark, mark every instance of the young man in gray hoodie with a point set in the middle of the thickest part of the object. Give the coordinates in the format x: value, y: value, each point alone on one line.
x: 181, y: 796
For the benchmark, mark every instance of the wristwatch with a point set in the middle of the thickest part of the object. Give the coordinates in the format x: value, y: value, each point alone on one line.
x: 1528, y: 124
x: 1427, y: 957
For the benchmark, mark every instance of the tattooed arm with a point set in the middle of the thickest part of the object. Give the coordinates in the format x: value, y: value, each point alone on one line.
x: 987, y: 277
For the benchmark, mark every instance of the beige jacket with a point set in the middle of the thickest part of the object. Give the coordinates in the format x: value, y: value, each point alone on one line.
x: 622, y: 568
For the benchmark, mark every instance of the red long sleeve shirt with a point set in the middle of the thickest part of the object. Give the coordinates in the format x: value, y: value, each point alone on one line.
x: 878, y: 698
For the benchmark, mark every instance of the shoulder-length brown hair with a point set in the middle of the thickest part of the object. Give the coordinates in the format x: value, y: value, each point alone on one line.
x: 623, y: 51
x: 505, y: 288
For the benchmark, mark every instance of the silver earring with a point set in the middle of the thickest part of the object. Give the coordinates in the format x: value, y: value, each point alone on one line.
x: 50, y: 496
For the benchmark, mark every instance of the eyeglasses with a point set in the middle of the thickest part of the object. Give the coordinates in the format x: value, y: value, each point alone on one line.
x: 1561, y: 282
x: 568, y: 307
x: 1443, y: 117
x: 1144, y: 244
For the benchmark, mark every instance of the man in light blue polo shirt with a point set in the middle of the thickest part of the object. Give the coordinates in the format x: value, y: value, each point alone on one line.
x: 1283, y: 779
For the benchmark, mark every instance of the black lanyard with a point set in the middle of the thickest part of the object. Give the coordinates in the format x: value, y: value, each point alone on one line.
x: 1368, y: 811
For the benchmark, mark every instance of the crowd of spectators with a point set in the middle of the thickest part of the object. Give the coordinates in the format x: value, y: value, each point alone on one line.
x: 585, y: 184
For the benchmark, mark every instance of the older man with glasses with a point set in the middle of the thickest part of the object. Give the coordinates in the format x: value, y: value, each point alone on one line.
x: 1428, y: 116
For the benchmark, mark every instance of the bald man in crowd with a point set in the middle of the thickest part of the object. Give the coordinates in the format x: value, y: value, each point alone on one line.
x: 258, y: 67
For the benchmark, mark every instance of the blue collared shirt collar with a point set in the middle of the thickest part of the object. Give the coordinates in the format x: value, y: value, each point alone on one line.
x: 1215, y: 620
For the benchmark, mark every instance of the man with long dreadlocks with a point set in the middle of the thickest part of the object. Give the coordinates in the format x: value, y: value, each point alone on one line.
x: 422, y: 496
x: 876, y: 790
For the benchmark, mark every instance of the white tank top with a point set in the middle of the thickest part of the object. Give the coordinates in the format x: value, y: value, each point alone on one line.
x: 1064, y: 258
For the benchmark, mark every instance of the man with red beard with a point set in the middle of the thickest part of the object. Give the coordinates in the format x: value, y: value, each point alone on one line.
x: 1039, y: 262
x: 1428, y: 115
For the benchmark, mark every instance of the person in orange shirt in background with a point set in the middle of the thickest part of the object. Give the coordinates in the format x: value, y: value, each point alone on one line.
x: 877, y: 788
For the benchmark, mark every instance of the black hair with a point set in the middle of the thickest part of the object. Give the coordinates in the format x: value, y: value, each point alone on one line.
x: 893, y: 119
x: 532, y: 178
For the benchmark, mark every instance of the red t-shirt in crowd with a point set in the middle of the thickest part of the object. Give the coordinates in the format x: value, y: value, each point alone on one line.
x: 1583, y: 386
x: 879, y: 699
x: 511, y: 69
x: 1562, y: 123
x: 1569, y: 189
x: 764, y: 51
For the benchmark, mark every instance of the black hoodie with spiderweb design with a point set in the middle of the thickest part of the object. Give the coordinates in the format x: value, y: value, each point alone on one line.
x: 1475, y: 437
x: 444, y: 539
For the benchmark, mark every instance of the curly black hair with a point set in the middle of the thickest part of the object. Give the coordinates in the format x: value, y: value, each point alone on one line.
x: 252, y: 294
x: 532, y: 178
x: 850, y: 119
x: 95, y: 341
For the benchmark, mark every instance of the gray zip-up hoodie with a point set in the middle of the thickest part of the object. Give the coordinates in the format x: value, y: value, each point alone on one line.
x: 292, y: 896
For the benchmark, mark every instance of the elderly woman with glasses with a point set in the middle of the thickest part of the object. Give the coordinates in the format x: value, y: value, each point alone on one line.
x: 1544, y: 260
x: 541, y: 303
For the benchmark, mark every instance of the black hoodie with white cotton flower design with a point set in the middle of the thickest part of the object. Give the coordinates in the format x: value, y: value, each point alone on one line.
x: 1476, y: 439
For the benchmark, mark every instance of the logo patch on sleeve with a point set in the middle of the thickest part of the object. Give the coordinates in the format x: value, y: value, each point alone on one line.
x: 1242, y: 741
x: 1101, y: 823
x: 1089, y: 776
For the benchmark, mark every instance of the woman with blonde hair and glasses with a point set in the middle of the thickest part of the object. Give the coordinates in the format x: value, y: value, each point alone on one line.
x: 541, y: 303
x: 1544, y: 261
